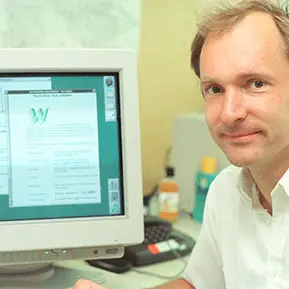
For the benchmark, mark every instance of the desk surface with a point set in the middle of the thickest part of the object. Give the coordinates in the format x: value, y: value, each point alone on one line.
x: 171, y: 268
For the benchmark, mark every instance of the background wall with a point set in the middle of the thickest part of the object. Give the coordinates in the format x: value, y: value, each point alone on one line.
x: 167, y: 85
x: 70, y: 23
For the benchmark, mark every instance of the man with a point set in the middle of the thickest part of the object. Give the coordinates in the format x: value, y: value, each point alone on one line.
x: 241, y: 55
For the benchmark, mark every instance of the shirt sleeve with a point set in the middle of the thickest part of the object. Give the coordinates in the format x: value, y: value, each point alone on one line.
x: 204, y: 270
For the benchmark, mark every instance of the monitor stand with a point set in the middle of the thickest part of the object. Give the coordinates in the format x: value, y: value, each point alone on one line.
x: 48, y: 276
x: 25, y: 273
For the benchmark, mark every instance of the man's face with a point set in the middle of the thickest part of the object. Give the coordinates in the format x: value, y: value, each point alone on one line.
x: 245, y: 82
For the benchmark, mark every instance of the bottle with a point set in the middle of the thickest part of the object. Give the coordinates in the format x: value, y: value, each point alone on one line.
x: 204, y: 178
x: 169, y: 196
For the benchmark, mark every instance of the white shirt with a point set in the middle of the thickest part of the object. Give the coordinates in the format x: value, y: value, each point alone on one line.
x: 240, y: 245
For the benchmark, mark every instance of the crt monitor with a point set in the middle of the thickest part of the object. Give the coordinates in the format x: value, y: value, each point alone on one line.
x: 70, y: 162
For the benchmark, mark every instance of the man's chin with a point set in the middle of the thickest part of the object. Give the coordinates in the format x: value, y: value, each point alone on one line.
x: 239, y: 163
x: 243, y: 159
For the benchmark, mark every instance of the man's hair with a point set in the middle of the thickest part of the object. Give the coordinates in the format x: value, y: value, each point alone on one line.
x: 222, y: 19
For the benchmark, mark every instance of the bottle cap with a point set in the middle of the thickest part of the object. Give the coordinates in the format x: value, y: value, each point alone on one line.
x: 170, y: 172
x: 209, y: 165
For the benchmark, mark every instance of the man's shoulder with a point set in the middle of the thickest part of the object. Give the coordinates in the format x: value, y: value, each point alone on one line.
x: 229, y: 176
x: 225, y: 185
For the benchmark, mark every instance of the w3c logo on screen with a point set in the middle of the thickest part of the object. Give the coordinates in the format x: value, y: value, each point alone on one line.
x: 38, y: 116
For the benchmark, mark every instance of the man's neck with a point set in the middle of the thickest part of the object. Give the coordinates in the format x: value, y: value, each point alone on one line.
x: 266, y: 178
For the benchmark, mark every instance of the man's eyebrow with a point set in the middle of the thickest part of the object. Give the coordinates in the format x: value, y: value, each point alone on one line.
x: 241, y: 76
x: 255, y: 75
x: 207, y: 79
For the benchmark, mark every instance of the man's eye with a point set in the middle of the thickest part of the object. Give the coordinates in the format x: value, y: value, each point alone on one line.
x: 214, y: 90
x: 257, y: 84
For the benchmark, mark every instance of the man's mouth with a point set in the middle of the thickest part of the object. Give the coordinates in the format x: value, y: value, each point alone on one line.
x: 240, y: 137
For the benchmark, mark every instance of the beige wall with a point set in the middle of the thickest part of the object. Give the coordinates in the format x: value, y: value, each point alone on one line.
x: 167, y: 85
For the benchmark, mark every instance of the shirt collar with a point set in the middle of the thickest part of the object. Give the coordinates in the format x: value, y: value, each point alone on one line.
x: 248, y: 188
x: 284, y: 182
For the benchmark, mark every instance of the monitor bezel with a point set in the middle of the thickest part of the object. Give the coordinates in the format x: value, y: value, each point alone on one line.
x: 85, y: 231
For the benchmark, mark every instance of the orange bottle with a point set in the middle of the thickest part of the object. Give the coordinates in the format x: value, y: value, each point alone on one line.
x: 169, y: 196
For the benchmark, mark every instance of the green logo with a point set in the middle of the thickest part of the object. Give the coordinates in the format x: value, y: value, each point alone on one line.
x: 38, y: 116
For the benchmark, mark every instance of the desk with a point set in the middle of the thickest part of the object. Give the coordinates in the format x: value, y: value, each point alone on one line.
x: 170, y: 268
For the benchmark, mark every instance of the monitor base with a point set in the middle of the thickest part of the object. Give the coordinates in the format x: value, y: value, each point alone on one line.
x: 26, y: 273
x: 46, y: 276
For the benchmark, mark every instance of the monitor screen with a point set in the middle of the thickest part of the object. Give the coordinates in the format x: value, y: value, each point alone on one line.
x: 60, y: 146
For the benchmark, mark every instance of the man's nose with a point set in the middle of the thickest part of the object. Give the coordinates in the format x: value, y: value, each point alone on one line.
x: 233, y: 109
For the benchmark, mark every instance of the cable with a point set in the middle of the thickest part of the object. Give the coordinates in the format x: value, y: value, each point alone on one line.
x: 150, y: 274
x: 167, y: 157
x: 165, y: 277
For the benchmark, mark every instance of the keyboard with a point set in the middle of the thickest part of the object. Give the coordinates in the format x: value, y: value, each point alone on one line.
x: 162, y: 243
x: 156, y: 233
